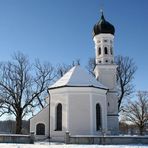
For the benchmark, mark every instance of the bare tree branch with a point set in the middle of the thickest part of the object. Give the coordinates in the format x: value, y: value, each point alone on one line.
x: 125, y: 74
x: 63, y: 68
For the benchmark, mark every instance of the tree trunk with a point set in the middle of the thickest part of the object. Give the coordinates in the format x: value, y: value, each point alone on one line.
x: 18, y: 124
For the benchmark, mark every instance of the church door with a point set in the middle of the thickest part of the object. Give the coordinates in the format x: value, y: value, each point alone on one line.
x: 40, y: 129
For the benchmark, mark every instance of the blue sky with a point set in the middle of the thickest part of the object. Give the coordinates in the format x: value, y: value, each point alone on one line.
x: 60, y: 31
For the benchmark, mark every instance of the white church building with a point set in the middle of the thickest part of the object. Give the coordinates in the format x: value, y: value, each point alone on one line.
x: 80, y: 103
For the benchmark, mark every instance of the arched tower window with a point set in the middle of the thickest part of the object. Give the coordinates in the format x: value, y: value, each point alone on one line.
x: 98, y: 117
x: 105, y: 50
x: 99, y: 51
x: 111, y: 51
x: 59, y: 117
x: 40, y: 129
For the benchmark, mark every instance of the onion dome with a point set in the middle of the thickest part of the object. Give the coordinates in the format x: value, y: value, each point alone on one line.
x: 103, y: 27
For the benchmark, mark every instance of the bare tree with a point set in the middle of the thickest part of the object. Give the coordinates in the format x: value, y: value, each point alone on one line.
x: 63, y: 68
x: 22, y: 85
x: 125, y: 74
x: 123, y: 127
x: 136, y: 111
x: 91, y: 66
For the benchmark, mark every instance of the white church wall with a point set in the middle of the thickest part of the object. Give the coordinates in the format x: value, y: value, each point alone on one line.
x: 112, y: 103
x: 78, y: 110
x: 113, y: 121
x: 101, y: 99
x: 113, y: 124
x: 57, y: 98
x: 106, y: 74
x: 79, y: 114
x: 41, y: 117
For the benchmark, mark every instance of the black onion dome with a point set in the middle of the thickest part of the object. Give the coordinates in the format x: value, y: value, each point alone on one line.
x: 103, y: 27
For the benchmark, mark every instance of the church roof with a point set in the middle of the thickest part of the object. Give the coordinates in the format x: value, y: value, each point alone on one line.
x: 103, y: 26
x: 77, y: 77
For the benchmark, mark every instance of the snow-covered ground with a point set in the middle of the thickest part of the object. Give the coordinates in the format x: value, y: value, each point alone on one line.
x: 59, y: 145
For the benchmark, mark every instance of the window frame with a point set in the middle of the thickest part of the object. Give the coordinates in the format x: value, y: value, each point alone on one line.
x: 99, y: 51
x: 58, y: 117
x: 98, y: 117
x: 105, y: 50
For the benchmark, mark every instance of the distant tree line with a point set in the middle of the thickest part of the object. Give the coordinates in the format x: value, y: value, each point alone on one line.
x: 8, y: 127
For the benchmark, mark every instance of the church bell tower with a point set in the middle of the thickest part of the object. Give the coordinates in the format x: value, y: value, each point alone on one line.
x: 105, y: 70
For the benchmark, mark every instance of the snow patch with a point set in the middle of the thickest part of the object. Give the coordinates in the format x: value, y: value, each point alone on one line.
x: 60, y: 145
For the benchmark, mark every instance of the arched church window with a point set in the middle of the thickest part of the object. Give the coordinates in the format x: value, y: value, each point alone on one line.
x: 105, y: 50
x: 40, y: 129
x: 98, y: 117
x: 59, y: 117
x: 99, y: 52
